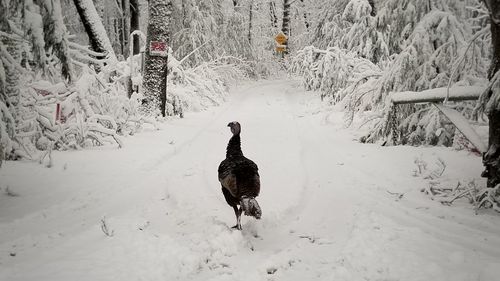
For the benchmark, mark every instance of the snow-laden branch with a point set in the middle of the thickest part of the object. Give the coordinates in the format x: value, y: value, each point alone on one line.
x: 482, y: 32
x: 438, y: 95
x: 94, y: 27
x: 85, y: 50
x: 192, y: 52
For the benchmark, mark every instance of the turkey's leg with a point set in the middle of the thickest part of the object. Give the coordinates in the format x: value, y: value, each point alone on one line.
x: 237, y: 212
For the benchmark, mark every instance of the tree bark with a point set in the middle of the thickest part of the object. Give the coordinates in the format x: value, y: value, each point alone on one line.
x: 306, y: 21
x: 374, y: 10
x: 134, y: 25
x: 286, y: 17
x: 99, y: 40
x: 286, y: 22
x: 155, y: 73
x: 272, y: 12
x: 250, y: 18
x: 126, y: 22
x: 491, y: 159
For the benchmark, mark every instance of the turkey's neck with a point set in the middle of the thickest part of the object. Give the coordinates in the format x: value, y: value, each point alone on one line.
x: 234, y: 147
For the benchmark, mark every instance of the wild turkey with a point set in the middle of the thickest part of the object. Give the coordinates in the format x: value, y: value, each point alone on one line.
x: 239, y: 178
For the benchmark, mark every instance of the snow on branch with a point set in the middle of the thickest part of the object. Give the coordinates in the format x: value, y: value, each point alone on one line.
x: 97, y: 33
x: 438, y: 95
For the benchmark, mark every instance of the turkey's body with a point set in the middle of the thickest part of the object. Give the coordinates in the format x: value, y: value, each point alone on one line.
x: 240, y: 179
x: 239, y: 176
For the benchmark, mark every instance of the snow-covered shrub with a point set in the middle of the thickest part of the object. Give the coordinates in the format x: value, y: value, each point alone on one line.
x: 342, y: 76
x: 205, y: 85
x: 49, y: 115
x: 104, y: 102
x: 332, y: 71
x: 53, y: 116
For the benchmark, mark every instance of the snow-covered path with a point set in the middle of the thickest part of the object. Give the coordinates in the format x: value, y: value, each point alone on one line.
x: 329, y: 209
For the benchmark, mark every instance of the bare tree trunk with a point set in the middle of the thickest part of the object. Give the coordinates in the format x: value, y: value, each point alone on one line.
x: 374, y: 9
x: 286, y: 17
x: 286, y: 22
x: 306, y: 22
x: 491, y: 159
x: 98, y: 37
x: 126, y: 27
x: 272, y: 12
x: 134, y: 25
x: 250, y: 18
x: 155, y: 73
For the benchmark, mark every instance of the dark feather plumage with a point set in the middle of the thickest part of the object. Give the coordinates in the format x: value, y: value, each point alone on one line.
x: 239, y: 177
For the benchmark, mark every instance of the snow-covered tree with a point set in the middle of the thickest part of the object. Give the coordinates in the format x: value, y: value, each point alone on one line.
x: 207, y: 30
x: 351, y: 25
x: 195, y: 25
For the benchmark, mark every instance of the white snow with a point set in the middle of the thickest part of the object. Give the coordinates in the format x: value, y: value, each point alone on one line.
x: 329, y: 205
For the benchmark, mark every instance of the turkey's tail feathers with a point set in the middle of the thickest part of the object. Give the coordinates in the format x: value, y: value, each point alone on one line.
x: 251, y: 207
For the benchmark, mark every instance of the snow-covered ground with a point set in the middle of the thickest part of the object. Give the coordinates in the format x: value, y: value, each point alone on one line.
x: 333, y: 209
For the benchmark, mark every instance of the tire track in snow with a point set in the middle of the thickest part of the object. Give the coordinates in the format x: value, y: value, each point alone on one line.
x: 295, y: 209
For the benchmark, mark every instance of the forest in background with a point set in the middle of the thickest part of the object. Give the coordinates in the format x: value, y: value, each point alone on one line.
x: 75, y: 74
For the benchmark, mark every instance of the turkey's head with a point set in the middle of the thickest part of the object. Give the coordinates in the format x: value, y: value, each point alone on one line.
x: 235, y: 127
x: 251, y: 207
